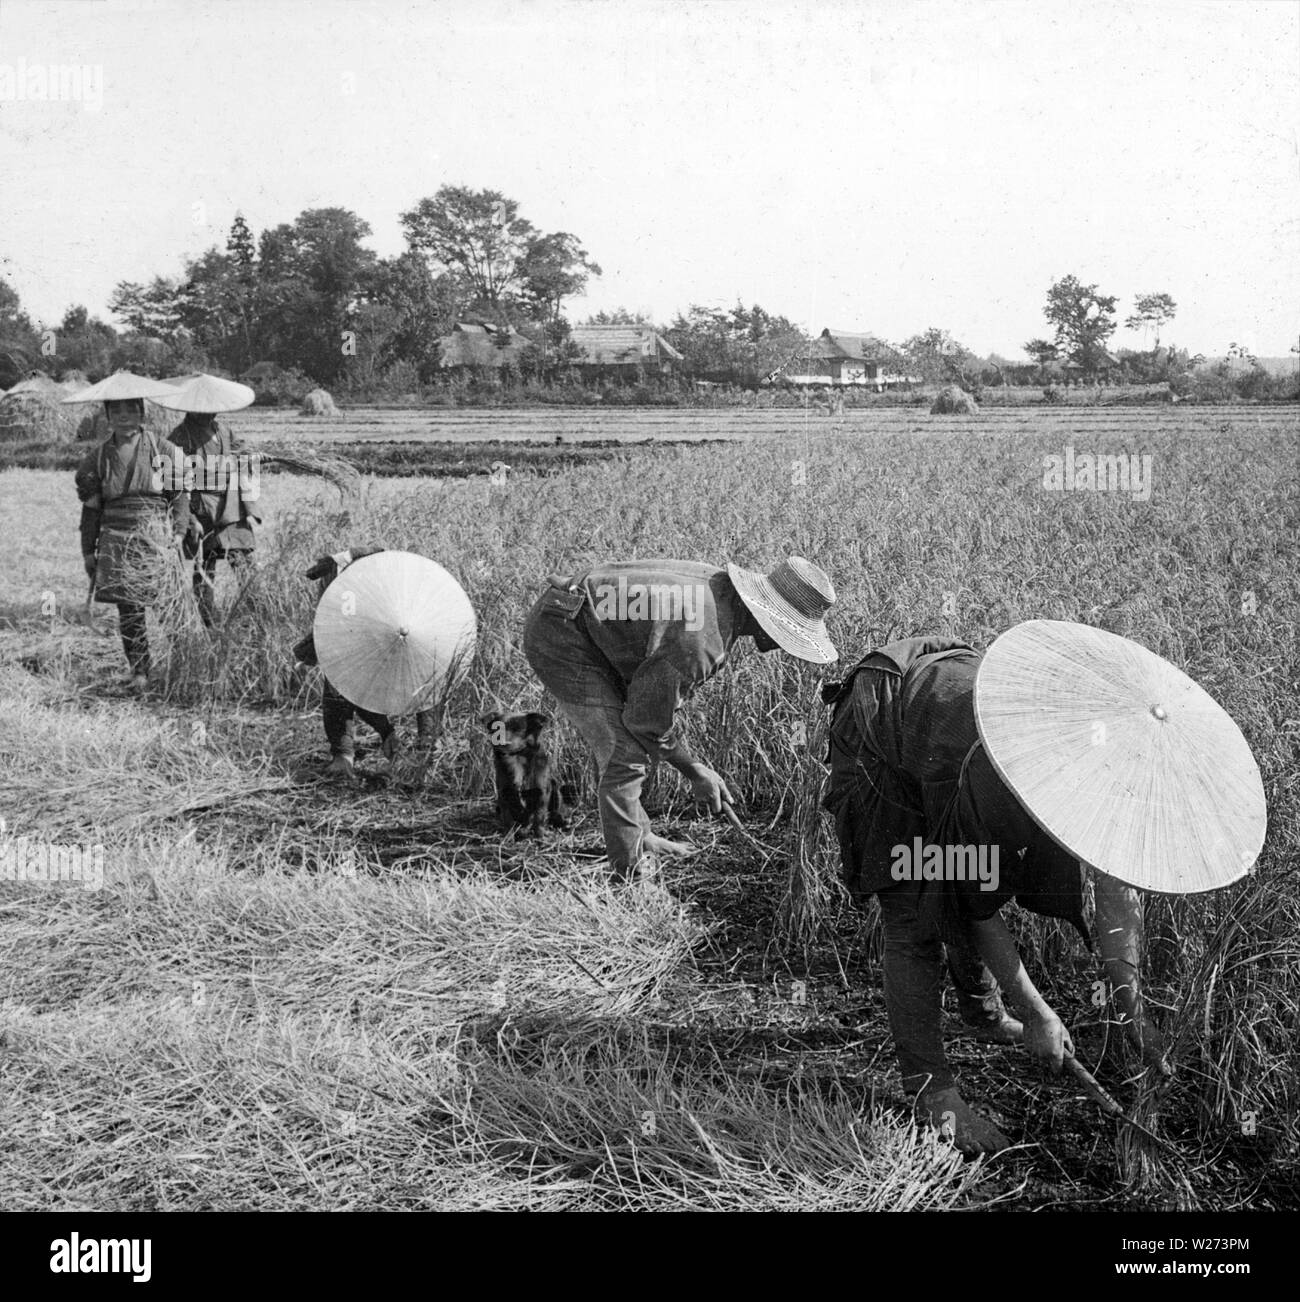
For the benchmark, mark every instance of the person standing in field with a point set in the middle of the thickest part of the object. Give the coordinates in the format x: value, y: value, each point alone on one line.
x: 622, y: 646
x: 221, y: 513
x: 959, y: 782
x: 132, y: 511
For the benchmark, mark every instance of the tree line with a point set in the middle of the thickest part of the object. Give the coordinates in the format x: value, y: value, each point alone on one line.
x: 309, y: 297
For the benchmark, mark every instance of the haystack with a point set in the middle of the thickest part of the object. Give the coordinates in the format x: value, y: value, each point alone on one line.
x: 33, y: 409
x: 953, y: 401
x: 318, y: 403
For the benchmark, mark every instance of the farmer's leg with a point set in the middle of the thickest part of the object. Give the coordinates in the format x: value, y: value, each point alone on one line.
x: 914, y: 992
x: 621, y: 763
x: 336, y: 713
x: 426, y: 726
x: 914, y: 1000
x: 135, y: 641
x: 205, y: 591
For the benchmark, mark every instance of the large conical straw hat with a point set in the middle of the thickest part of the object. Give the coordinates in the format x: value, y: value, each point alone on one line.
x: 119, y: 386
x: 1120, y: 757
x: 393, y: 630
x: 206, y: 393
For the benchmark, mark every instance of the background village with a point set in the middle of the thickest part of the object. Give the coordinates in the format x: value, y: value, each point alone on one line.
x: 473, y: 314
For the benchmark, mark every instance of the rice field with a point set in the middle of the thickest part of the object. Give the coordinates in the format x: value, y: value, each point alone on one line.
x: 635, y: 425
x: 290, y: 995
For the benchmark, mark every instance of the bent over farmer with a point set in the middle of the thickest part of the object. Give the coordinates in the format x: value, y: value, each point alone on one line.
x: 622, y: 646
x: 337, y: 712
x: 132, y: 511
x: 959, y: 782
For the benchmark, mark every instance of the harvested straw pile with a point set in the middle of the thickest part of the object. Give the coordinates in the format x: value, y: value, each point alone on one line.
x: 318, y: 403
x: 39, y: 414
x: 953, y: 401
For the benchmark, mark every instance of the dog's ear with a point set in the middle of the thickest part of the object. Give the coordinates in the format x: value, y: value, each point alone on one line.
x: 535, y: 722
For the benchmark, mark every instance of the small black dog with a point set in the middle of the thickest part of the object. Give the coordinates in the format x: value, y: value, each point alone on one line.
x: 527, y: 786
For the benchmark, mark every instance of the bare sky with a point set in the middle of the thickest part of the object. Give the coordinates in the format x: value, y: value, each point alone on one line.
x: 869, y: 166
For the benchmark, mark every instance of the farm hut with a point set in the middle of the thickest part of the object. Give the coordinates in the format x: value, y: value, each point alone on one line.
x: 606, y: 347
x: 842, y: 357
x: 480, y: 344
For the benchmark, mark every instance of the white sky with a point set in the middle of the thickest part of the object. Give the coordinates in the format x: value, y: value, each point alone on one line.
x: 872, y: 166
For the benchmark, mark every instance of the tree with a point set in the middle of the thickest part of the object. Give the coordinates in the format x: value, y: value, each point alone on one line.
x: 743, y: 345
x: 512, y: 271
x: 239, y: 244
x: 1042, y: 351
x: 20, y: 344
x: 85, y: 343
x: 554, y: 267
x: 153, y: 309
x: 1151, y: 312
x: 1084, y: 319
x: 424, y: 307
x: 616, y: 316
x: 938, y: 358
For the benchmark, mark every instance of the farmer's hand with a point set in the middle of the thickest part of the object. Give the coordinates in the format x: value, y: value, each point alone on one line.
x: 1046, y: 1039
x: 710, y: 789
x: 89, y: 562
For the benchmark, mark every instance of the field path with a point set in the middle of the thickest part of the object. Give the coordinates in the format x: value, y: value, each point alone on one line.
x: 581, y: 425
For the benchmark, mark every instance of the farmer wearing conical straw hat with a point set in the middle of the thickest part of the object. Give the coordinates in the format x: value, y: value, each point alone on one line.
x: 222, y: 494
x: 392, y: 641
x: 623, y: 645
x: 128, y: 486
x: 960, y: 781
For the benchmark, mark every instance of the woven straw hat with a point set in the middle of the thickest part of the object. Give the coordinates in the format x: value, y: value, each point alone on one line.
x: 120, y: 386
x: 791, y: 605
x: 1120, y: 758
x: 206, y: 393
x: 392, y: 630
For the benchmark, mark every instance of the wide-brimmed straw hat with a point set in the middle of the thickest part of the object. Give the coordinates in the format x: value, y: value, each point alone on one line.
x: 392, y: 630
x: 120, y: 387
x: 791, y: 604
x: 1120, y: 757
x: 206, y: 394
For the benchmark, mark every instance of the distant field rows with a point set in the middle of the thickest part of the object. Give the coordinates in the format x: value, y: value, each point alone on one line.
x: 382, y: 424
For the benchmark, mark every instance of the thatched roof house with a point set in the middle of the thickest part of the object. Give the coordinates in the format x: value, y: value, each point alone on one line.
x: 480, y: 344
x: 624, y: 345
x: 842, y: 357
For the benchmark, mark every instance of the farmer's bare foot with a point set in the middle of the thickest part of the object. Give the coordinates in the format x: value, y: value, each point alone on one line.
x: 660, y: 845
x: 954, y: 1118
x: 340, y: 768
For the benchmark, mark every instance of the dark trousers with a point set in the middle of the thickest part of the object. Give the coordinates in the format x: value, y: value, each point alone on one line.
x: 339, y: 715
x: 135, y: 641
x: 914, y: 964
